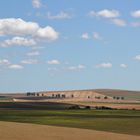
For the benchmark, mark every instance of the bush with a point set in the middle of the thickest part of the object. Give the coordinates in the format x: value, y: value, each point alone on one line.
x: 103, y: 108
x: 74, y: 107
x: 105, y: 97
x: 87, y: 107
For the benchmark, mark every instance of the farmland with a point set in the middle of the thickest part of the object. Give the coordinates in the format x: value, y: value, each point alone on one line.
x: 26, y: 131
x: 87, y: 114
x: 117, y: 121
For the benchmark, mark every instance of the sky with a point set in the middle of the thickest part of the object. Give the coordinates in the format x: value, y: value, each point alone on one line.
x: 69, y: 44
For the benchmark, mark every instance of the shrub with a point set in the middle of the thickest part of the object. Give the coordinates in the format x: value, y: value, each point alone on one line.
x: 74, y: 107
x: 87, y: 107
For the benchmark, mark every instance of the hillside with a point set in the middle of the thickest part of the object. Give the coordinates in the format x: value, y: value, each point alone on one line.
x: 81, y: 95
x: 128, y: 95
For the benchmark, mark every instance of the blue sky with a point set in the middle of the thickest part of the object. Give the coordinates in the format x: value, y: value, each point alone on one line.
x: 68, y: 44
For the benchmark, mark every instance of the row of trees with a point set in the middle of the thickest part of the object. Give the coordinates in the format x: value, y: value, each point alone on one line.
x: 106, y: 97
x: 118, y: 98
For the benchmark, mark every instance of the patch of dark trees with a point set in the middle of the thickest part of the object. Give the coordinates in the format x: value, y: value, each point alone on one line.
x: 89, y: 107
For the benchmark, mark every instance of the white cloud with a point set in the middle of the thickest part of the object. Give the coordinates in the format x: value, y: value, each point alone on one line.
x: 104, y: 65
x: 4, y: 62
x: 123, y: 66
x: 38, y: 47
x: 136, y: 14
x: 52, y: 69
x: 29, y: 61
x: 137, y: 57
x: 97, y: 36
x: 54, y: 62
x: 81, y: 66
x: 85, y: 36
x: 135, y: 24
x: 61, y: 15
x: 75, y: 68
x: 72, y: 68
x: 18, y: 41
x: 17, y: 26
x: 47, y: 33
x: 119, y: 22
x: 36, y: 3
x: 105, y: 13
x: 15, y: 66
x: 34, y: 53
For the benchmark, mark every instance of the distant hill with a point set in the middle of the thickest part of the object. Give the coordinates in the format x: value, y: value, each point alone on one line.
x: 84, y: 94
x: 134, y: 95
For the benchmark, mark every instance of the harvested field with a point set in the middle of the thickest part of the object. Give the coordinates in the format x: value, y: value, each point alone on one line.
x: 34, y: 105
x: 23, y: 131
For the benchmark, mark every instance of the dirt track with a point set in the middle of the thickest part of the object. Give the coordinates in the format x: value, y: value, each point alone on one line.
x: 22, y: 131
